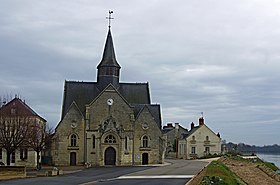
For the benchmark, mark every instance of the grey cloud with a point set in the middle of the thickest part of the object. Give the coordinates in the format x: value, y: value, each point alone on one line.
x: 220, y: 58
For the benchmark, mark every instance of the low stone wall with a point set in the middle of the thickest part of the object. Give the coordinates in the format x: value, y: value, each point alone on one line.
x: 13, y: 171
x: 49, y: 173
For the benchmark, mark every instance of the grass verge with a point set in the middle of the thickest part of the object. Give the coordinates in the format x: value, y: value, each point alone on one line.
x: 219, y: 174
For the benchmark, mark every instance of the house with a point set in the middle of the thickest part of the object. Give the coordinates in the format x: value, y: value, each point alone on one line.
x: 108, y: 122
x: 173, y: 135
x: 199, y: 142
x: 16, y: 116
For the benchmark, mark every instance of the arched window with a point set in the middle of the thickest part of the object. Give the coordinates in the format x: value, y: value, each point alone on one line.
x: 73, y: 141
x: 193, y: 138
x: 93, y: 141
x: 207, y: 138
x: 125, y: 143
x: 145, y: 141
x: 110, y: 139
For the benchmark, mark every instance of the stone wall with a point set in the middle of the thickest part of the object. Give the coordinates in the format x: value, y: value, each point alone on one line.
x: 72, y: 123
x: 12, y: 171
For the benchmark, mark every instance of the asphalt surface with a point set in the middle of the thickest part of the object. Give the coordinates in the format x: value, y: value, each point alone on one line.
x: 179, y: 172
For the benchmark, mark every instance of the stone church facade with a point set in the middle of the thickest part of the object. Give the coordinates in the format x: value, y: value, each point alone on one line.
x: 108, y: 122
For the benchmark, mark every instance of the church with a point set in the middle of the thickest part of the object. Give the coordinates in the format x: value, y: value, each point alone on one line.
x: 108, y: 122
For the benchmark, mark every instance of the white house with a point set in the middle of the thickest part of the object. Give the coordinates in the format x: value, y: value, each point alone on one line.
x: 200, y: 141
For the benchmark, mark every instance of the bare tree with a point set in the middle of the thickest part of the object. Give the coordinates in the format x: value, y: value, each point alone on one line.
x: 39, y: 137
x: 13, y: 133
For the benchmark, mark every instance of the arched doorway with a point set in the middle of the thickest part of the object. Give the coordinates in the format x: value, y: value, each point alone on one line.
x: 110, y: 156
x: 145, y: 158
x: 73, y: 159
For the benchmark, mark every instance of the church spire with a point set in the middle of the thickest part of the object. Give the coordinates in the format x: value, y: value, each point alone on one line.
x: 109, y: 57
x: 108, y: 68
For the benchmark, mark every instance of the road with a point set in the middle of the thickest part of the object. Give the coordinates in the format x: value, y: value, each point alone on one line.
x: 177, y: 173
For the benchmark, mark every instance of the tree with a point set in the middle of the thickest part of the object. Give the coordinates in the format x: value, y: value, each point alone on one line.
x: 13, y: 133
x: 39, y: 137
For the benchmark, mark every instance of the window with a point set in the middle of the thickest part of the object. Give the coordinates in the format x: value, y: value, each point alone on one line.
x: 145, y: 141
x: 182, y: 148
x: 116, y: 72
x: 125, y: 143
x: 13, y: 111
x: 110, y: 71
x: 93, y: 141
x: 23, y: 153
x: 207, y: 150
x: 73, y: 141
x: 193, y: 138
x: 13, y: 160
x: 193, y: 150
x: 110, y: 139
x: 0, y: 153
x: 145, y: 125
x: 207, y: 138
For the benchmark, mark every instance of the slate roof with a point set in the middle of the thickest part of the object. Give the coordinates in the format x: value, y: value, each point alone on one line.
x: 109, y: 57
x: 153, y: 108
x: 136, y: 93
x: 190, y: 132
x: 82, y: 93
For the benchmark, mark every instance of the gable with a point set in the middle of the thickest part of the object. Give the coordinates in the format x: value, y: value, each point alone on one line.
x: 154, y: 110
x: 73, y: 114
x: 17, y: 107
x: 84, y: 93
x: 99, y: 110
x: 110, y: 91
x: 201, y: 132
x: 146, y: 114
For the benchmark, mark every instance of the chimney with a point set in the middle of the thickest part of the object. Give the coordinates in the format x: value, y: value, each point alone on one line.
x: 201, y: 121
x: 169, y: 125
x: 176, y: 125
x: 192, y: 125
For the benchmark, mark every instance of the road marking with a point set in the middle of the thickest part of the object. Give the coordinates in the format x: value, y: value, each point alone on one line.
x: 156, y: 177
x: 142, y: 177
x: 99, y: 180
x: 87, y: 183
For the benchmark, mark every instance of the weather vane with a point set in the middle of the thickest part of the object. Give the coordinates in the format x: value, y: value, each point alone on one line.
x: 110, y: 17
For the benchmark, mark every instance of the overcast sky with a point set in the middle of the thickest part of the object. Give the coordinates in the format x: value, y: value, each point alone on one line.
x: 219, y: 57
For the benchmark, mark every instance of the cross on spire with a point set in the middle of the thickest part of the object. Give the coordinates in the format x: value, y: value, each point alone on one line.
x: 110, y: 17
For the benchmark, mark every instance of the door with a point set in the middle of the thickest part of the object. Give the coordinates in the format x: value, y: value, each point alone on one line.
x: 110, y: 156
x: 145, y: 158
x: 73, y: 159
